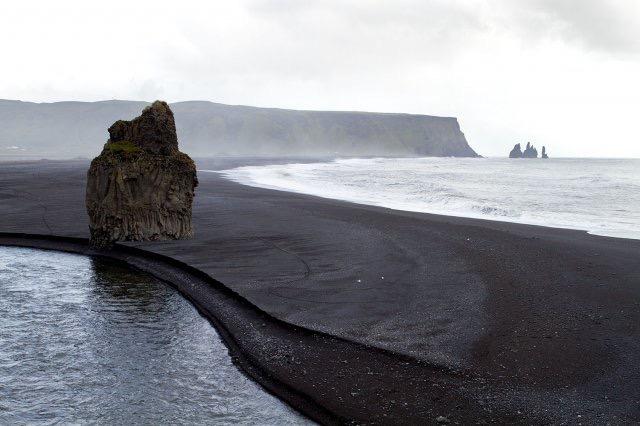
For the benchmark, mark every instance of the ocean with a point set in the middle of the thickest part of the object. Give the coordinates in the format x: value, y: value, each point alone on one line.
x: 600, y: 196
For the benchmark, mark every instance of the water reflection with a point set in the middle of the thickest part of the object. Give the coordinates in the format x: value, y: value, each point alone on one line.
x: 89, y: 340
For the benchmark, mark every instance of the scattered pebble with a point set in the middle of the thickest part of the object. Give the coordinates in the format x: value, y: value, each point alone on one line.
x: 442, y: 420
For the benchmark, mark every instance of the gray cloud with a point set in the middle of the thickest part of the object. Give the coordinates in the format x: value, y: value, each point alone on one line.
x: 605, y: 25
x: 609, y: 26
x: 561, y: 72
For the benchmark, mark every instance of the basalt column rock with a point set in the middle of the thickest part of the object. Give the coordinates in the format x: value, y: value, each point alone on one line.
x: 530, y: 151
x: 141, y: 186
x: 516, y: 152
x: 544, y: 152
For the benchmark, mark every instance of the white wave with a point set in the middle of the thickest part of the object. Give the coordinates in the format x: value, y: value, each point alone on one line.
x: 596, y: 195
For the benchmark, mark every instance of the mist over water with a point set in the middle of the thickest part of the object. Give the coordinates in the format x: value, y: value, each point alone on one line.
x: 86, y: 341
x: 601, y: 196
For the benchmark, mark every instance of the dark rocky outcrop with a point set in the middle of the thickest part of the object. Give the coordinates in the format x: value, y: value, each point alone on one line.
x: 516, y: 152
x: 544, y: 152
x: 530, y: 151
x: 141, y: 186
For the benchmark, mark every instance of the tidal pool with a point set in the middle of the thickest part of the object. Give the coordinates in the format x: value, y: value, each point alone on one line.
x: 88, y: 340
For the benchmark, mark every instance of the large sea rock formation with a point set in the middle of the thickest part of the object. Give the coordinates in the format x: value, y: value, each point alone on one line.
x: 530, y: 151
x: 516, y: 152
x: 141, y: 187
x: 544, y: 152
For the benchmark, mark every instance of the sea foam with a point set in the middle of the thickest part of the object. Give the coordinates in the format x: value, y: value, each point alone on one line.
x: 601, y: 196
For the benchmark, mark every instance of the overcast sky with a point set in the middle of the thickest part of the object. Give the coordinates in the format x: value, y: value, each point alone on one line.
x: 560, y: 73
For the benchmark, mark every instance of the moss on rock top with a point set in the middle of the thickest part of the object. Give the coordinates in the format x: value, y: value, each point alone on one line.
x: 122, y: 146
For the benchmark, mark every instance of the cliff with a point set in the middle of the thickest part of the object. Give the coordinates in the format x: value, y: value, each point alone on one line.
x: 141, y: 187
x: 66, y: 129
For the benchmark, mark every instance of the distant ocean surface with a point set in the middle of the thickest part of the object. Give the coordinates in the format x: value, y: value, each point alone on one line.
x: 601, y: 196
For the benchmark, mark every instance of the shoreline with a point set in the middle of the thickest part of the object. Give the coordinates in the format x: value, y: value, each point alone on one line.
x: 247, y: 179
x: 441, y: 215
x: 208, y: 295
x: 469, y: 319
x: 185, y: 279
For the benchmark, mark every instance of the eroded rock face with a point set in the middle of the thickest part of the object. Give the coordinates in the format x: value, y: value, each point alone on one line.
x: 516, y: 152
x: 530, y: 151
x: 141, y: 186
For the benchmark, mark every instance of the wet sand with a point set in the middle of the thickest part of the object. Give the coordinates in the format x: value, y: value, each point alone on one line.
x: 478, y: 320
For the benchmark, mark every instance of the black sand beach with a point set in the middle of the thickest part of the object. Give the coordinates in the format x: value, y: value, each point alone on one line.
x: 474, y: 320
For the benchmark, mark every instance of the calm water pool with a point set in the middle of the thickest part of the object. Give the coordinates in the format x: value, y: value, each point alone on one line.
x: 86, y: 340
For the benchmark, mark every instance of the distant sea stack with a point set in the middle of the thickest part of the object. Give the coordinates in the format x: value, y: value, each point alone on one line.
x: 208, y: 129
x: 141, y: 187
x: 529, y: 152
x: 544, y: 152
x: 516, y: 152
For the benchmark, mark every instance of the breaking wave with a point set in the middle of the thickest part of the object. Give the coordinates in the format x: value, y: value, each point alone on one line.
x: 601, y: 196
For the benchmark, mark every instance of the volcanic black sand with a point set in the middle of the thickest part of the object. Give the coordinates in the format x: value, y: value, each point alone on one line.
x: 479, y: 321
